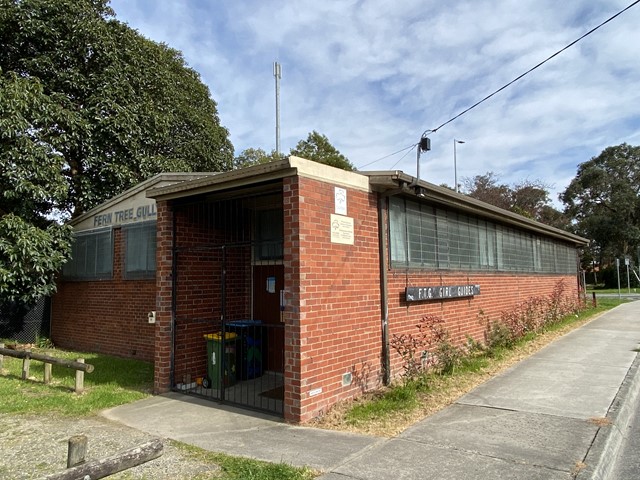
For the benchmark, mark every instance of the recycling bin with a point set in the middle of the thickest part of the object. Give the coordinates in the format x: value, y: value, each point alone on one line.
x: 221, y: 354
x: 249, y: 354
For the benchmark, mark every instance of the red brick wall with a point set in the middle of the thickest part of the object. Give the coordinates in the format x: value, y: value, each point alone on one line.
x: 105, y: 316
x: 333, y: 322
x: 335, y: 326
x: 464, y: 316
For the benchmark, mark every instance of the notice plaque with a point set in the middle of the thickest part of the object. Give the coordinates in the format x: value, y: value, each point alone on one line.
x: 342, y: 229
x: 418, y: 294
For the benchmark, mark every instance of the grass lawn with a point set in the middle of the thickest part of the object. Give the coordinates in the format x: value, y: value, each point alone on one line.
x: 596, y: 290
x: 114, y: 381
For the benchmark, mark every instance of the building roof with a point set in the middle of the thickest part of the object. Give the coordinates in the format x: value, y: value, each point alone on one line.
x: 385, y: 182
x: 398, y: 182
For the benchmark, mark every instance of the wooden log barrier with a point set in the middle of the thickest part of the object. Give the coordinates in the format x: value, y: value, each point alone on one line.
x: 85, y: 367
x: 114, y: 464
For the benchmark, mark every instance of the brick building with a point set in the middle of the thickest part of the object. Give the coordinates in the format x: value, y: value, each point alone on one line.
x: 301, y: 272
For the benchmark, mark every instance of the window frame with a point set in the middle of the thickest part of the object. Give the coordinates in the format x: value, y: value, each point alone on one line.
x: 81, y: 247
x: 145, y: 229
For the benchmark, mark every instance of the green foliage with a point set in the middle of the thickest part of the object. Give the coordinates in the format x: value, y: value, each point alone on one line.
x: 255, y: 156
x: 401, y: 398
x: 318, y: 148
x: 29, y: 258
x: 529, y: 198
x: 530, y: 316
x: 237, y: 468
x: 604, y: 202
x: 430, y: 348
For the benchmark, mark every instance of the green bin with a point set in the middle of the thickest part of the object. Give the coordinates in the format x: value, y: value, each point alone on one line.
x: 215, y: 348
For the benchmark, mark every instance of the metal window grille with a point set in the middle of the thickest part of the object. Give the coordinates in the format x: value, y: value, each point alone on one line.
x: 91, y: 256
x: 140, y: 251
x: 422, y: 236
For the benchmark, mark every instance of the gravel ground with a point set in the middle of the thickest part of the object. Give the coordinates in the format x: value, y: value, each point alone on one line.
x: 33, y: 447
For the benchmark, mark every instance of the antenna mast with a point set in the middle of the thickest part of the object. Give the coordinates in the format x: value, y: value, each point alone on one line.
x: 277, y: 73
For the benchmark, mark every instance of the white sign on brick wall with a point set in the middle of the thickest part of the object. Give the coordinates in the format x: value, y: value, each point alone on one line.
x: 342, y: 229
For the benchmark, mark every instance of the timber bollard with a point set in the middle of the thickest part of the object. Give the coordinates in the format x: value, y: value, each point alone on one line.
x: 1, y: 357
x: 80, y: 378
x: 594, y: 302
x: 77, y: 450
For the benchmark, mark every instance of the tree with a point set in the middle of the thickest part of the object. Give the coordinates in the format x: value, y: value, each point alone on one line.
x: 487, y: 189
x: 88, y: 108
x: 318, y: 148
x: 32, y: 247
x: 255, y: 156
x: 131, y: 108
x: 529, y: 198
x: 603, y: 200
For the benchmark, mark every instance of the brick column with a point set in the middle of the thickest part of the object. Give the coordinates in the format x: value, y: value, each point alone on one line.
x: 164, y: 262
x: 292, y: 380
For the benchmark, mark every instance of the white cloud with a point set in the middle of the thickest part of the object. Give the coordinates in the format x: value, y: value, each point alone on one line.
x: 373, y: 75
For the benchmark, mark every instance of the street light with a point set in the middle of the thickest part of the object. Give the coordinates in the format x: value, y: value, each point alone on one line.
x: 455, y: 163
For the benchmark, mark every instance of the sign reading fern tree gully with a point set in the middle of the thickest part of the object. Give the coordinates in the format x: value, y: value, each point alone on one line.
x: 418, y: 294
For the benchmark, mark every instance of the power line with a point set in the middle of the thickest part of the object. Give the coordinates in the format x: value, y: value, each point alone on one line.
x: 406, y: 153
x: 391, y: 155
x: 506, y: 85
x: 533, y: 68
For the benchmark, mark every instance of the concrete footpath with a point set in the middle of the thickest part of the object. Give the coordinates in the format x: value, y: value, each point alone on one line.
x: 560, y: 413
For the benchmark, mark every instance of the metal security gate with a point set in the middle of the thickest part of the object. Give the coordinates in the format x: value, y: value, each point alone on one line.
x: 228, y: 338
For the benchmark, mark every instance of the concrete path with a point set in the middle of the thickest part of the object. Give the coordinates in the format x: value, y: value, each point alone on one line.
x: 561, y: 411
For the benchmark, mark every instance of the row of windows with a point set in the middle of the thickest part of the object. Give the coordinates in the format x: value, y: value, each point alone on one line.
x: 92, y: 253
x: 424, y: 236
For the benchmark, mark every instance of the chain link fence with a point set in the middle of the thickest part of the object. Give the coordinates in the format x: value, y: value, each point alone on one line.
x: 23, y: 324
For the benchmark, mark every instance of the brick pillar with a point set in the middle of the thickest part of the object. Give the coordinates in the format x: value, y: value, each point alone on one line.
x: 292, y: 381
x: 164, y: 286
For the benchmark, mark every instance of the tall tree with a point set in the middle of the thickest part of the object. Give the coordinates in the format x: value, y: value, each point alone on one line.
x: 604, y: 201
x: 88, y: 108
x: 130, y: 107
x: 529, y: 198
x: 318, y: 148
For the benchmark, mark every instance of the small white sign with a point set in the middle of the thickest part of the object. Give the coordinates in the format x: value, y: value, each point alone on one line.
x: 340, y: 200
x: 342, y: 230
x: 315, y: 391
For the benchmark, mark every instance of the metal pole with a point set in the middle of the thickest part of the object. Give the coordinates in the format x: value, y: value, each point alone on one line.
x: 455, y: 164
x: 628, y: 284
x: 277, y: 73
x: 618, y: 271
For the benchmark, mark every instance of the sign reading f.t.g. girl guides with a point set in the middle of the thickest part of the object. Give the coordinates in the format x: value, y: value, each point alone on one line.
x: 418, y: 294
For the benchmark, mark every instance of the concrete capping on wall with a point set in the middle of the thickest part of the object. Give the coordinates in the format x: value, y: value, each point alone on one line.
x: 248, y: 176
x: 328, y: 174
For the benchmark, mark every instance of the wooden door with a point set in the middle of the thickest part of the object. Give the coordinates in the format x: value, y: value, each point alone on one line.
x: 268, y: 282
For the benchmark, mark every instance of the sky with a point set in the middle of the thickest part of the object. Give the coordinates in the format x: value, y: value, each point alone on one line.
x: 373, y: 75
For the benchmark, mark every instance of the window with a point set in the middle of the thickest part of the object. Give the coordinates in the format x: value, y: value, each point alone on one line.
x: 140, y: 250
x: 91, y: 256
x: 422, y: 236
x: 269, y: 235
